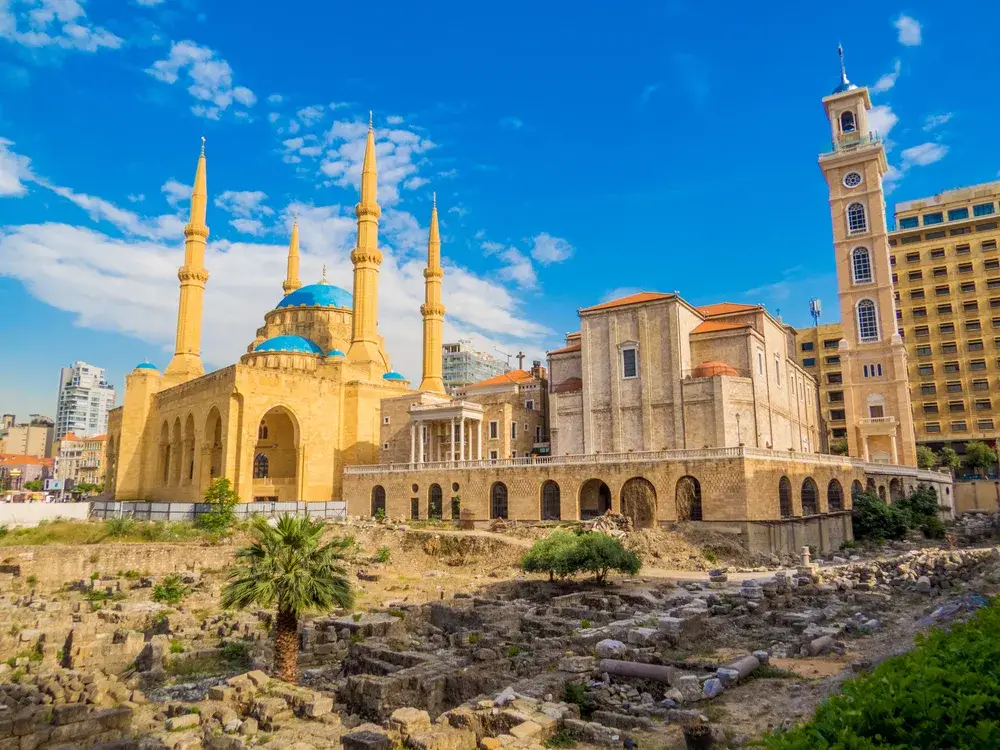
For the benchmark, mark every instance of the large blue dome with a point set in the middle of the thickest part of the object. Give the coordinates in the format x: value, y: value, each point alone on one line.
x: 289, y: 344
x: 145, y: 366
x: 393, y: 375
x: 317, y: 295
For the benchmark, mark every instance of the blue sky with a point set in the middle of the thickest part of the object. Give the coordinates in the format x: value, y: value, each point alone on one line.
x: 578, y: 150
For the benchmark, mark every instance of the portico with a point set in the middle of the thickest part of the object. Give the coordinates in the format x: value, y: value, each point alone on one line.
x: 446, y: 431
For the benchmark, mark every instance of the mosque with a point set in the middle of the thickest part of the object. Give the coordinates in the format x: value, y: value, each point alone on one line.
x: 301, y: 404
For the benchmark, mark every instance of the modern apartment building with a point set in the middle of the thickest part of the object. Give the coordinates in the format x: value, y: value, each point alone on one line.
x: 31, y: 438
x: 85, y: 398
x: 464, y: 365
x: 81, y: 459
x: 945, y: 267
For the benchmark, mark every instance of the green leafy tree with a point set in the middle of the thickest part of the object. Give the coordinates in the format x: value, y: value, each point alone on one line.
x: 287, y: 568
x: 926, y: 458
x: 876, y: 520
x: 839, y: 446
x: 34, y: 485
x: 979, y: 456
x: 552, y: 555
x: 565, y: 553
x: 223, y: 499
x: 950, y: 459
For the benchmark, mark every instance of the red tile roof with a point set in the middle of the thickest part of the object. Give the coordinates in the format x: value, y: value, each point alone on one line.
x: 632, y: 299
x: 514, y: 376
x: 567, y: 349
x: 725, y: 308
x: 710, y: 326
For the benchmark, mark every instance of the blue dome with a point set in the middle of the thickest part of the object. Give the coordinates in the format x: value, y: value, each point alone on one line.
x: 317, y: 295
x: 335, y: 353
x: 145, y: 366
x: 393, y: 375
x: 845, y: 86
x: 289, y: 344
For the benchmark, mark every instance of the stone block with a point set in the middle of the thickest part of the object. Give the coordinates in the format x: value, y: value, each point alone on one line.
x: 366, y: 739
x: 611, y: 649
x: 184, y: 721
x: 409, y: 720
x: 643, y: 636
x: 248, y: 727
x: 69, y: 713
x: 727, y: 676
x: 712, y: 687
x: 320, y: 705
x: 820, y: 645
x: 577, y: 664
x: 258, y: 678
x: 690, y: 687
x: 221, y: 693
x: 525, y: 730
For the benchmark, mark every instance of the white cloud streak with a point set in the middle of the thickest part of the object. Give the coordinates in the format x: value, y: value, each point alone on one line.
x: 210, y: 79
x: 910, y: 31
x: 887, y: 81
x: 61, y: 24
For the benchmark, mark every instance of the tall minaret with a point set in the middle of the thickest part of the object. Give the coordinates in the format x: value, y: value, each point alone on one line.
x: 367, y: 258
x: 872, y: 355
x: 186, y: 363
x: 291, y: 282
x: 432, y: 310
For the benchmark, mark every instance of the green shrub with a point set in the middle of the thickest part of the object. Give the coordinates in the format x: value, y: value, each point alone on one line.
x: 513, y: 651
x: 875, y: 519
x: 382, y: 555
x: 171, y: 590
x: 473, y: 639
x: 380, y: 514
x: 118, y: 528
x: 565, y: 553
x: 456, y: 508
x: 560, y: 739
x: 584, y: 624
x: 551, y: 555
x: 176, y: 647
x: 943, y: 694
x: 236, y: 653
x: 575, y: 692
x: 223, y: 499
x: 32, y: 580
x: 926, y: 457
x: 839, y: 446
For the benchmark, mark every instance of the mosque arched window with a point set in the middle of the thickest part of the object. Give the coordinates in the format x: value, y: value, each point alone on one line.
x: 262, y: 432
x: 260, y: 466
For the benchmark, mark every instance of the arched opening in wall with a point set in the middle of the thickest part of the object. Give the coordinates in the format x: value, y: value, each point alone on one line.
x: 498, y: 500
x: 870, y: 486
x: 212, y: 449
x: 785, y: 497
x: 260, y: 466
x: 834, y: 496
x: 638, y: 498
x: 188, y: 465
x: 687, y: 496
x: 895, y: 490
x: 551, y: 501
x: 435, y: 502
x: 847, y: 124
x: 378, y: 501
x: 856, y: 488
x: 595, y: 499
x: 882, y: 493
x: 281, y: 450
x: 164, y: 471
x: 810, y: 497
x: 176, y: 454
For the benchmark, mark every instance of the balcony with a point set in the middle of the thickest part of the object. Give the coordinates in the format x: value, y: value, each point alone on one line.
x: 878, y: 425
x: 851, y: 142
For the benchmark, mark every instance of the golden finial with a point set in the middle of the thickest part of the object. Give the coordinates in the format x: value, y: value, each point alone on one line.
x: 434, y: 200
x: 370, y: 127
x: 324, y: 272
x: 203, y: 145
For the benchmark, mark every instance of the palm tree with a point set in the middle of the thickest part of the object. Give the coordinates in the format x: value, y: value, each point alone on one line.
x: 286, y: 568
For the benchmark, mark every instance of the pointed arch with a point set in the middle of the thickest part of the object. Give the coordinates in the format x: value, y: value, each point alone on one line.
x: 856, y: 488
x: 551, y: 501
x: 435, y: 502
x: 163, y: 473
x: 834, y: 496
x: 785, y: 497
x: 260, y: 466
x: 810, y: 497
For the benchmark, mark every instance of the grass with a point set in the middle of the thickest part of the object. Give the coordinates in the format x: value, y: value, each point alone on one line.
x: 709, y: 555
x: 560, y: 739
x: 201, y: 665
x: 236, y: 653
x: 382, y: 555
x: 513, y: 651
x: 176, y: 647
x: 95, y: 532
x: 771, y: 672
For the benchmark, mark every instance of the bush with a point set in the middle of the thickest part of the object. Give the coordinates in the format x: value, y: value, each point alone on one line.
x: 223, y: 500
x: 565, y: 553
x: 979, y: 456
x: 876, y: 520
x: 943, y: 694
x: 236, y: 653
x: 839, y: 446
x: 382, y: 555
x: 171, y: 590
x: 926, y: 458
x: 119, y: 527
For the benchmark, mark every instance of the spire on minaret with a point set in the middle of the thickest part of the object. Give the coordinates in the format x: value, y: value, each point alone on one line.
x: 845, y: 85
x: 292, y: 282
x: 432, y: 310
x: 186, y: 362
x: 366, y: 345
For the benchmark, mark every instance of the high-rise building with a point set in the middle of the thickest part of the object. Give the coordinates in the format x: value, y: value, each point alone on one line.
x: 464, y: 365
x: 85, y: 398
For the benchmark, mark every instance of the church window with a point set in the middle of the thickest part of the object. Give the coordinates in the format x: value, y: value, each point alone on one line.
x: 856, y: 221
x: 630, y: 363
x: 777, y: 370
x: 852, y: 179
x: 262, y: 432
x: 513, y: 430
x: 847, y: 123
x: 260, y: 466
x: 760, y: 361
x: 861, y: 263
x: 867, y: 321
x: 529, y: 404
x: 494, y: 429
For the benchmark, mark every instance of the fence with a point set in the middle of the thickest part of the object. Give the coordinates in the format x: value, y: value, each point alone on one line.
x: 332, y: 510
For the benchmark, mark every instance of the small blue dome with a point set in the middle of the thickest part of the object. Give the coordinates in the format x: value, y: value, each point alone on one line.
x: 393, y: 375
x: 845, y: 86
x: 335, y: 353
x: 145, y: 366
x: 289, y: 344
x: 317, y: 295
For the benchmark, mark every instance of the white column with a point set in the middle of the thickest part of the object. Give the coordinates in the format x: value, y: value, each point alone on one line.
x: 461, y: 438
x: 420, y: 441
x: 864, y: 447
x: 895, y: 455
x: 451, y: 441
x: 413, y: 441
x: 479, y: 443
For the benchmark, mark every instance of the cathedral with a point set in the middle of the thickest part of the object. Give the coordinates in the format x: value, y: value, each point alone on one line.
x: 301, y: 404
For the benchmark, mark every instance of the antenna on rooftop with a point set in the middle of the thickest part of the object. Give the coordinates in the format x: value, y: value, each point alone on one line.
x: 815, y: 309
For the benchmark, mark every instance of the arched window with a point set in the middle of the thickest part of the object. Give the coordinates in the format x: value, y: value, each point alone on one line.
x: 260, y: 466
x: 498, y: 500
x: 435, y: 502
x: 810, y: 497
x: 378, y: 500
x: 881, y: 493
x: 867, y: 321
x: 834, y: 496
x: 785, y: 497
x: 687, y: 496
x: 856, y: 221
x: 262, y: 432
x: 847, y: 124
x: 856, y: 488
x: 861, y: 265
x: 895, y: 490
x: 551, y: 498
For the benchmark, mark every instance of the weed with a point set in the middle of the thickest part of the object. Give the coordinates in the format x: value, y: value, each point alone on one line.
x: 356, y: 617
x: 397, y: 613
x: 202, y: 665
x: 584, y: 624
x: 32, y: 580
x: 94, y: 558
x: 473, y: 639
x: 171, y: 590
x: 130, y: 575
x: 95, y: 576
x: 119, y: 528
x: 382, y: 555
x: 176, y: 647
x: 771, y: 672
x: 17, y: 675
x: 575, y: 692
x: 236, y: 653
x: 560, y: 739
x: 513, y: 651
x: 709, y: 555
x: 356, y: 638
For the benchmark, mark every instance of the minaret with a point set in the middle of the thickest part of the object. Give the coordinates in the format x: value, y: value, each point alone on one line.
x: 291, y: 282
x: 367, y: 258
x: 432, y: 310
x: 873, y: 358
x: 186, y: 363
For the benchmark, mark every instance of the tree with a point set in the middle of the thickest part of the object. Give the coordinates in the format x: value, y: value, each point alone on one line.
x: 565, y: 553
x: 839, y: 446
x: 949, y: 458
x: 978, y: 455
x: 926, y: 458
x: 286, y: 568
x: 35, y: 485
x: 223, y: 499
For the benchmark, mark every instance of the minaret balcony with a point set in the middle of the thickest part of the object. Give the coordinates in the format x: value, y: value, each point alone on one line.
x: 852, y: 142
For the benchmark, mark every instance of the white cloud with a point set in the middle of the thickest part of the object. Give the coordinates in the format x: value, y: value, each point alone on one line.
x: 460, y: 211
x: 275, y: 99
x: 647, y: 93
x: 394, y: 120
x: 415, y: 182
x: 547, y: 249
x: 910, y: 33
x: 932, y: 122
x: 248, y: 226
x: 126, y: 221
x: 247, y: 208
x: 53, y: 23
x: 14, y: 171
x: 136, y: 197
x: 512, y: 123
x: 518, y: 268
x: 210, y: 78
x: 176, y: 192
x: 924, y: 154
x: 149, y: 3
x: 881, y: 120
x: 273, y: 117
x: 309, y: 116
x: 619, y: 292
x: 887, y: 81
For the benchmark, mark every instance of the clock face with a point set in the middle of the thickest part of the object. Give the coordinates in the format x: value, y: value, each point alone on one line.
x: 853, y: 179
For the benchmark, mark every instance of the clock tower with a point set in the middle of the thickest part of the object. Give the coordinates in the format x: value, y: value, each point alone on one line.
x: 872, y: 355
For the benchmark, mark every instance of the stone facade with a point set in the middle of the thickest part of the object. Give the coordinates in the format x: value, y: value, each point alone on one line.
x: 650, y: 372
